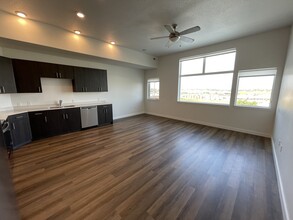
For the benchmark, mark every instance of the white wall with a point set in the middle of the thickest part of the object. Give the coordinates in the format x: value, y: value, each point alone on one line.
x: 283, y: 135
x: 125, y: 85
x: 257, y: 51
x: 5, y: 101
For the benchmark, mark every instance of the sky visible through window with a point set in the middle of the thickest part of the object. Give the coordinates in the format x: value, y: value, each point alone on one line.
x: 154, y: 90
x: 255, y: 90
x: 207, y: 79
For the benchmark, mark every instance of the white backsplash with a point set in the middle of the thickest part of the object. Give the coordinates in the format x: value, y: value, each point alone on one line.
x: 53, y: 91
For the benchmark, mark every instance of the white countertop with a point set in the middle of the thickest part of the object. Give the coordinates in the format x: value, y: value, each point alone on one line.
x: 23, y: 109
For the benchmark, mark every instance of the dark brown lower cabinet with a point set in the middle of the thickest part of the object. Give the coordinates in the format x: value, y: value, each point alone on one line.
x: 105, y: 114
x: 20, y: 130
x: 54, y: 122
x: 70, y: 120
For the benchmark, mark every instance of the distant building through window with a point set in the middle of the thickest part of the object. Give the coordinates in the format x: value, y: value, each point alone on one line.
x: 153, y: 89
x: 254, y: 88
x: 207, y: 79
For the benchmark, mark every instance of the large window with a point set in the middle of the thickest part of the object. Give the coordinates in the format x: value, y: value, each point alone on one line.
x: 153, y: 89
x: 255, y: 87
x: 207, y: 79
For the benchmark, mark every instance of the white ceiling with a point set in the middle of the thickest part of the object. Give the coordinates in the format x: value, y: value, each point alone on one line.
x: 131, y: 23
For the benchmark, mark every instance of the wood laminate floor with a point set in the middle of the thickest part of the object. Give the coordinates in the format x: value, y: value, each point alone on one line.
x: 147, y: 167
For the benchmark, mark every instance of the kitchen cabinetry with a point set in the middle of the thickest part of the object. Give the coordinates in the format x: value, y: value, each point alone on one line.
x: 27, y: 76
x: 2, y: 141
x: 7, y: 81
x: 105, y: 114
x: 103, y: 82
x: 70, y: 120
x: 20, y: 130
x: 89, y: 80
x: 51, y: 70
x: 44, y: 124
x: 54, y: 122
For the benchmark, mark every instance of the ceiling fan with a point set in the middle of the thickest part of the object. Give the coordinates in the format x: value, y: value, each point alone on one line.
x: 175, y: 36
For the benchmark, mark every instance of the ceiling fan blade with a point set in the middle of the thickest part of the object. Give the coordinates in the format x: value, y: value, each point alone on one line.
x: 155, y: 38
x: 169, y: 28
x: 190, y: 30
x: 187, y: 39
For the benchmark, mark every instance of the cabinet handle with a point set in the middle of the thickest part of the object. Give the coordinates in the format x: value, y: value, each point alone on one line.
x: 39, y: 88
x: 86, y: 89
x: 60, y: 74
x: 3, y: 89
x: 66, y: 116
x: 57, y: 75
x: 13, y: 126
x: 19, y: 117
x: 46, y: 120
x: 38, y: 113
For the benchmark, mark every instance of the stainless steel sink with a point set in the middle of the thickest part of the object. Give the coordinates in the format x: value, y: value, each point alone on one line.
x: 63, y: 106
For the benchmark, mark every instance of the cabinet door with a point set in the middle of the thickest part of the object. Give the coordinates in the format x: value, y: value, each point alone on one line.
x: 105, y: 114
x: 38, y: 124
x: 48, y: 70
x: 92, y: 80
x: 101, y: 115
x: 65, y: 72
x: 2, y: 141
x: 109, y: 115
x: 71, y: 120
x: 20, y: 130
x: 27, y: 76
x: 7, y: 81
x: 103, y: 82
x: 79, y: 79
x: 53, y: 124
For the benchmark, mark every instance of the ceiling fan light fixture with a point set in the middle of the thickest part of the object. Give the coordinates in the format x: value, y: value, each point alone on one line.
x: 174, y: 39
x: 113, y: 42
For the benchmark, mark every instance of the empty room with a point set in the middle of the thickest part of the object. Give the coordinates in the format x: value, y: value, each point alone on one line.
x: 167, y: 109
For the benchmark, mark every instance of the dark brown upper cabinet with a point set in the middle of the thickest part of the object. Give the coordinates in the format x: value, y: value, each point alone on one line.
x: 51, y: 70
x: 7, y: 81
x: 89, y: 80
x: 27, y: 76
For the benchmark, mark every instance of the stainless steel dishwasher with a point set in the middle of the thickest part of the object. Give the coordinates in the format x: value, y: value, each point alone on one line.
x: 89, y: 116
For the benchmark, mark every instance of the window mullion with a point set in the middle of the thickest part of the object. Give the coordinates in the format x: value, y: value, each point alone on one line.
x: 204, y: 66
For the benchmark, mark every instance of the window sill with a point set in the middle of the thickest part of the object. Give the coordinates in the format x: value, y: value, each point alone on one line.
x: 153, y: 99
x: 204, y: 103
x: 254, y: 107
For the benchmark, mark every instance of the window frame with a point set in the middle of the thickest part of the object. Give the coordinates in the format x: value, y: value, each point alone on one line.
x: 255, y: 75
x: 149, y: 81
x: 204, y: 56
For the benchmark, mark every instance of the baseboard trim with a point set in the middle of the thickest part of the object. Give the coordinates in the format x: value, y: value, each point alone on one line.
x: 280, y: 183
x: 212, y: 125
x: 128, y: 115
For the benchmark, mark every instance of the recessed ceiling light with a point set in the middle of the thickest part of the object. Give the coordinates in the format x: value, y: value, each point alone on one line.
x: 80, y: 14
x: 20, y: 14
x: 77, y: 32
x: 113, y: 42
